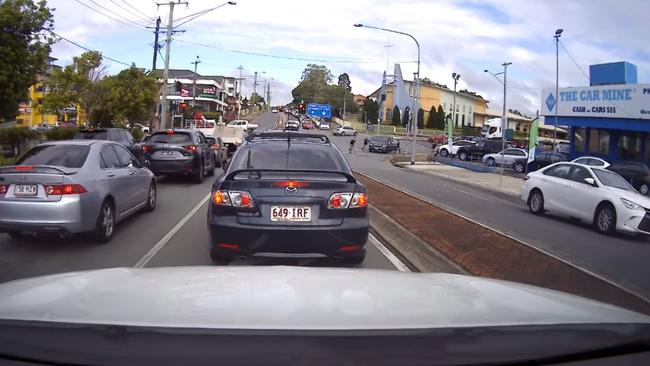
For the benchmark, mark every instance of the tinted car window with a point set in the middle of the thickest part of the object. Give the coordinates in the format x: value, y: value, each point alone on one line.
x: 379, y: 139
x: 69, y: 156
x: 123, y: 155
x: 578, y: 174
x: 109, y: 157
x: 173, y: 138
x: 612, y: 179
x: 298, y: 156
x: 559, y: 171
x: 91, y: 135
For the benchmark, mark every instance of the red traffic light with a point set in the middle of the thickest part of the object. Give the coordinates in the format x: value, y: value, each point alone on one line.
x: 182, y: 106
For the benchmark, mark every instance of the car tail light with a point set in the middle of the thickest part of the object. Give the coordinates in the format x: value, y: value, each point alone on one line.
x: 170, y: 132
x: 191, y: 148
x: 221, y: 198
x: 215, y: 146
x: 291, y: 183
x: 62, y: 189
x: 228, y: 246
x: 146, y: 148
x: 347, y: 200
x: 4, y: 188
x: 350, y: 248
x: 24, y: 168
x: 238, y: 199
x: 359, y: 200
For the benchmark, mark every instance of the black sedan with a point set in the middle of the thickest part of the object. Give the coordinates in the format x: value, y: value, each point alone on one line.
x: 179, y: 152
x: 289, y: 195
x: 542, y: 159
x: 382, y: 144
x: 635, y: 172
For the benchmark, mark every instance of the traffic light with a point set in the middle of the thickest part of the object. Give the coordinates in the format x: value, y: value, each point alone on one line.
x: 179, y: 86
x: 301, y: 108
x: 182, y: 107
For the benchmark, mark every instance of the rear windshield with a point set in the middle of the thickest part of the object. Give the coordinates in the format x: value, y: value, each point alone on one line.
x: 298, y: 156
x: 173, y: 138
x: 69, y: 156
x: 380, y: 139
x: 91, y: 135
x: 612, y: 179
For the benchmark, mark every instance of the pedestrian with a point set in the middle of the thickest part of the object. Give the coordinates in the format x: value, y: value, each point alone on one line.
x: 399, y: 150
x: 365, y: 144
x: 352, y: 142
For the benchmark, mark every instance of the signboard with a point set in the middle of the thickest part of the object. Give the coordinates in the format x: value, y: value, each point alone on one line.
x: 319, y: 110
x: 607, y: 101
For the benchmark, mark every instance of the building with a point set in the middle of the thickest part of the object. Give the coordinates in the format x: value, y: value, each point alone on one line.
x: 609, y: 119
x: 359, y: 99
x: 470, y: 107
x: 30, y: 112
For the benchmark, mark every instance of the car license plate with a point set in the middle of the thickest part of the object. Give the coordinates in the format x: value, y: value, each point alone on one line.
x: 25, y: 190
x: 167, y: 153
x: 291, y: 213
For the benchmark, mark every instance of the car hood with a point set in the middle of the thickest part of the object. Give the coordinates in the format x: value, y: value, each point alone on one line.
x: 293, y: 298
x: 635, y: 197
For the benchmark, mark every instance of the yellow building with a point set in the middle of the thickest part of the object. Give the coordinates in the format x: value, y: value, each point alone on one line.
x: 30, y: 113
x: 470, y: 107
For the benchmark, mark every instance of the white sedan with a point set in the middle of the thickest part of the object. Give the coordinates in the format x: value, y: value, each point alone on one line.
x: 446, y: 150
x: 508, y: 155
x: 588, y: 193
x: 591, y: 160
x: 345, y: 131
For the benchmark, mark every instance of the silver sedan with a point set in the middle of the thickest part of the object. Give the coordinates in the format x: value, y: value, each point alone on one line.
x: 73, y: 186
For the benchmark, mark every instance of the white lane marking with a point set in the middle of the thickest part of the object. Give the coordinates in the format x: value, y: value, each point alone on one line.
x: 532, y: 246
x: 388, y: 254
x: 471, y: 194
x: 161, y: 243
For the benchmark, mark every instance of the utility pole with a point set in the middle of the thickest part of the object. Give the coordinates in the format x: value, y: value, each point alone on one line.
x: 504, y: 119
x: 156, y: 46
x: 268, y: 95
x: 239, y: 98
x: 557, y: 35
x: 254, y: 90
x: 196, y: 63
x: 170, y: 28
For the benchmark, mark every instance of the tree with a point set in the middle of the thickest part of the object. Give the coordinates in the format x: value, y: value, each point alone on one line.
x: 25, y: 44
x: 420, y: 118
x: 431, y: 119
x: 396, y: 117
x: 371, y: 111
x: 316, y: 86
x: 440, y: 118
x: 344, y: 80
x: 75, y: 84
x: 131, y: 95
x: 256, y: 99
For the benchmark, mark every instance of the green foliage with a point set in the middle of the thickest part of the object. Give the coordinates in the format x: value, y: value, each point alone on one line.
x: 431, y: 119
x: 212, y: 115
x: 256, y: 99
x: 440, y: 119
x: 6, y: 161
x: 371, y: 109
x: 131, y: 95
x: 56, y: 134
x: 137, y: 134
x: 420, y: 118
x: 24, y: 47
x: 316, y: 87
x: 397, y: 120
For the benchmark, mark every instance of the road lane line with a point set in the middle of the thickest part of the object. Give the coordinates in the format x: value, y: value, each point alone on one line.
x: 161, y: 243
x: 471, y: 194
x: 532, y: 246
x: 392, y: 258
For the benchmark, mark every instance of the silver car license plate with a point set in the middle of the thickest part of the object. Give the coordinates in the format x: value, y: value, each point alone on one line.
x: 291, y: 213
x: 167, y: 153
x: 25, y: 190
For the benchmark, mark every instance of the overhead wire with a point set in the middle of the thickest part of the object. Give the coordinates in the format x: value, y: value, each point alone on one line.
x: 88, y: 49
x: 138, y: 16
x: 136, y: 9
x: 114, y: 13
x: 113, y: 18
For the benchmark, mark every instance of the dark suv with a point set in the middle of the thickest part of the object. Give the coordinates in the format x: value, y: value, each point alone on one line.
x: 118, y: 135
x: 179, y: 152
x: 480, y: 148
x: 288, y: 194
x: 635, y: 172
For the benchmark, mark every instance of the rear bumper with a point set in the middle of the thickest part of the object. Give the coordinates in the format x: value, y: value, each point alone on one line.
x: 62, y: 216
x: 344, y: 241
x: 186, y: 166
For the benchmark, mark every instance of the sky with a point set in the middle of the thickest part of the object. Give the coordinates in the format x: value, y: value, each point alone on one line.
x: 278, y: 38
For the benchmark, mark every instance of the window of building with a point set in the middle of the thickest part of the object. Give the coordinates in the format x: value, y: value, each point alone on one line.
x: 470, y: 109
x: 463, y: 109
x: 579, y: 142
x: 598, y: 142
x: 463, y: 119
x: 444, y: 106
x: 629, y: 146
x: 457, y: 108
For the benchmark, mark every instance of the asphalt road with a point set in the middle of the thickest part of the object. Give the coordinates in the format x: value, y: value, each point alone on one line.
x: 621, y: 259
x: 167, y: 236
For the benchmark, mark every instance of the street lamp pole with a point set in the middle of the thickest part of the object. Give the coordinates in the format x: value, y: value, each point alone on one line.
x: 557, y: 35
x: 504, y: 119
x: 450, y: 129
x: 416, y: 92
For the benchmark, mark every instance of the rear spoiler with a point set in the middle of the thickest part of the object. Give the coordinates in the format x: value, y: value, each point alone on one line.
x: 28, y: 169
x: 259, y: 172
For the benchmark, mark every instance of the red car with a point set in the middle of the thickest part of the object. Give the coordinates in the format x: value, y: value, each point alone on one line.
x: 307, y: 125
x: 438, y: 139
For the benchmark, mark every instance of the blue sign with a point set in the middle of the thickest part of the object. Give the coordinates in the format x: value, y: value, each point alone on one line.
x: 319, y: 110
x: 550, y: 102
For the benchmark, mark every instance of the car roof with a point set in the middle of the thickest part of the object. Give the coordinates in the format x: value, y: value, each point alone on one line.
x: 75, y: 142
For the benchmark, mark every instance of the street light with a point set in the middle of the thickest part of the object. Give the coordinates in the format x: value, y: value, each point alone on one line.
x: 450, y: 130
x: 416, y: 92
x: 504, y: 118
x: 558, y: 33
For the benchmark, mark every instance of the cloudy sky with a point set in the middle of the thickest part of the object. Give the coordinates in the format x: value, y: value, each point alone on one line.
x: 279, y: 38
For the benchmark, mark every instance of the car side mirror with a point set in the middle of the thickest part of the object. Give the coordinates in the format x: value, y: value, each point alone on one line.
x: 590, y: 181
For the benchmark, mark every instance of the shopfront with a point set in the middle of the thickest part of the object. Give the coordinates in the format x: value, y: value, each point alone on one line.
x: 609, y: 119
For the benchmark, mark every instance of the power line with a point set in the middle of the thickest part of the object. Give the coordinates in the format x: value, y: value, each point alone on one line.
x: 284, y: 57
x: 88, y: 49
x: 572, y: 59
x: 114, y: 13
x: 108, y: 16
x: 140, y: 17
x: 136, y: 9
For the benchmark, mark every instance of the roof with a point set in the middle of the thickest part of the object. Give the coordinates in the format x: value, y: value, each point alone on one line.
x: 468, y: 94
x: 81, y: 142
x: 177, y: 73
x: 493, y: 112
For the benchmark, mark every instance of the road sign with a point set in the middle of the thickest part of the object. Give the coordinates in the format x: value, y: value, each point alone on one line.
x: 319, y: 110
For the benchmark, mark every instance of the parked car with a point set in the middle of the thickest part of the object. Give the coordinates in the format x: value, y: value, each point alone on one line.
x: 382, y: 144
x: 480, y: 148
x: 635, y: 172
x: 219, y: 149
x: 118, y: 135
x: 591, y: 194
x: 73, y: 186
x: 345, y: 131
x: 292, y: 125
x: 591, y: 160
x: 324, y: 126
x: 184, y: 152
x: 446, y: 150
x: 438, y: 139
x: 505, y: 157
x: 563, y: 148
x: 243, y: 124
x: 288, y: 194
x: 541, y: 160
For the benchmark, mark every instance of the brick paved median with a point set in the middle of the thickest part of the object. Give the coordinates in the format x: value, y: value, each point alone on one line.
x: 486, y: 253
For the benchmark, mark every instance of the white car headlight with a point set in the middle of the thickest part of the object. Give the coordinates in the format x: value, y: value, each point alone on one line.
x: 631, y: 205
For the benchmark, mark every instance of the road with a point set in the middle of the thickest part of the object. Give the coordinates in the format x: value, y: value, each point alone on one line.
x: 621, y: 259
x: 137, y: 237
